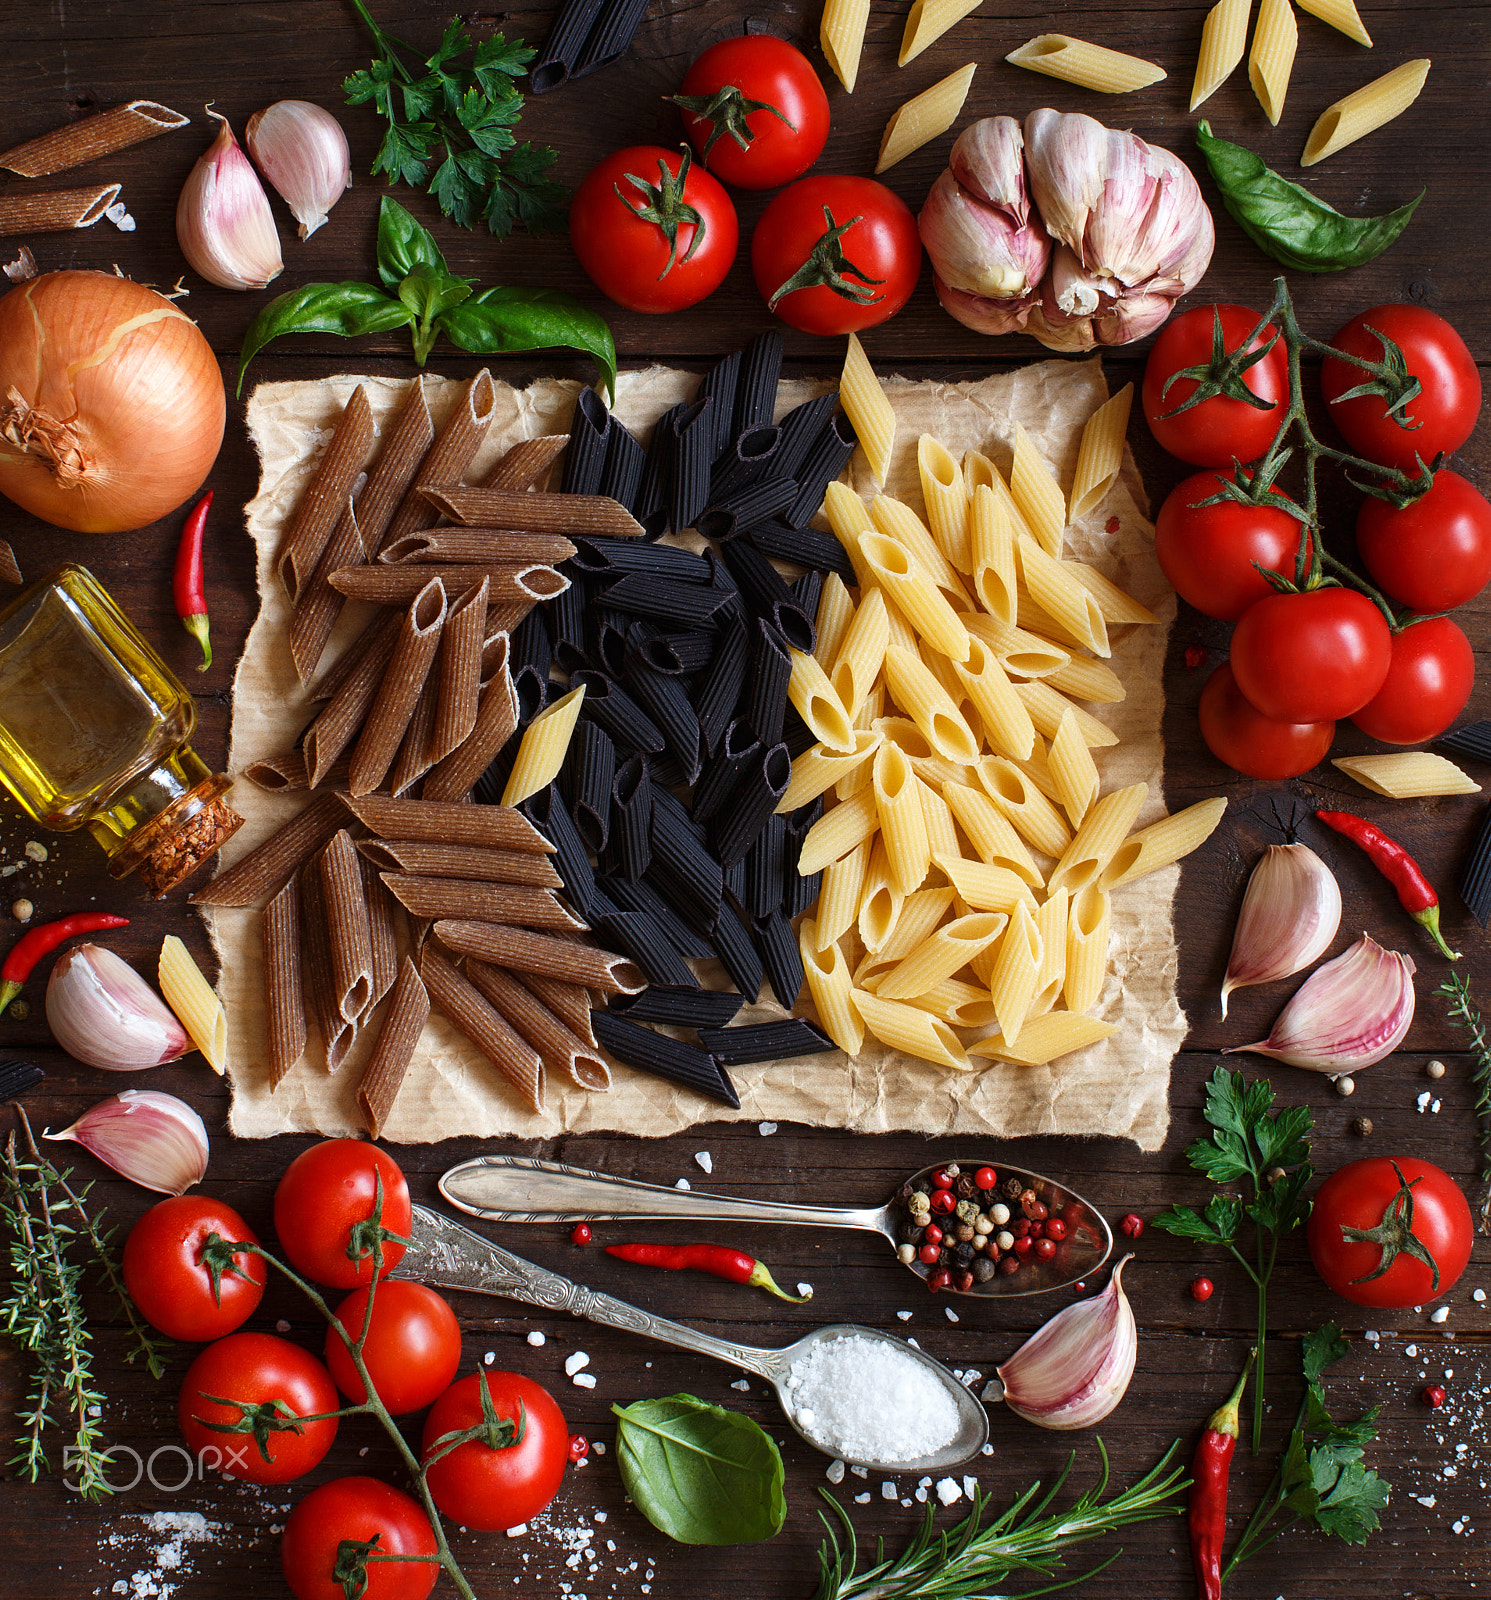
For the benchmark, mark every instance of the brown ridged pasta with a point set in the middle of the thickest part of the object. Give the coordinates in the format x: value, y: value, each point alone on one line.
x: 10, y: 569
x: 351, y: 658
x: 383, y: 1075
x: 475, y: 547
x: 519, y: 582
x: 337, y: 1034
x: 449, y: 456
x: 326, y: 497
x: 526, y: 462
x: 521, y: 950
x: 270, y: 866
x: 103, y: 134
x: 407, y: 445
x: 464, y: 900
x: 284, y: 990
x: 494, y: 649
x: 393, y: 705
x: 482, y: 827
x: 568, y: 1001
x: 483, y: 1026
x: 430, y: 858
x: 560, y: 1049
x: 496, y: 720
x: 57, y: 210
x: 460, y: 672
x: 532, y: 513
x: 347, y: 928
x: 413, y: 759
x: 383, y: 937
x: 319, y: 605
x: 279, y: 774
x: 340, y: 718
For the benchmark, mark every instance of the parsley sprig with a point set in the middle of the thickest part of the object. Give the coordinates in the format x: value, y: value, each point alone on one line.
x: 1267, y: 1151
x: 459, y: 119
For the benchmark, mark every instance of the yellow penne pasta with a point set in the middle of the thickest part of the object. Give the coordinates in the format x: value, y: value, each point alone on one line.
x: 194, y: 1001
x: 903, y: 822
x: 920, y: 914
x: 1271, y: 57
x: 917, y: 1033
x: 924, y: 117
x: 1086, y: 679
x: 848, y: 517
x: 840, y: 895
x: 946, y: 499
x: 946, y: 951
x: 1115, y: 604
x: 992, y: 549
x: 1090, y: 66
x: 862, y: 653
x: 869, y: 412
x: 960, y: 1005
x: 914, y: 594
x: 1036, y: 494
x: 542, y: 750
x: 930, y: 707
x: 1007, y: 724
x: 989, y: 832
x: 1012, y: 978
x: 1407, y: 775
x: 818, y: 769
x: 1051, y: 923
x: 942, y: 834
x: 1037, y: 767
x: 1371, y: 107
x: 982, y: 887
x: 902, y: 634
x: 1341, y: 15
x: 1047, y: 707
x: 1100, y: 454
x: 841, y: 33
x: 1171, y: 838
x: 1224, y: 36
x: 1045, y: 1039
x: 859, y: 777
x: 898, y: 520
x: 1026, y: 809
x: 1055, y: 588
x: 1101, y: 839
x: 835, y: 614
x: 1022, y: 654
x: 837, y: 832
x: 881, y: 899
x: 927, y: 21
x: 816, y: 703
x: 1086, y: 949
x: 829, y: 984
x: 1073, y: 773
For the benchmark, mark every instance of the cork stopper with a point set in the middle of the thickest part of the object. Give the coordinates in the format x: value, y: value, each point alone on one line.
x: 185, y: 836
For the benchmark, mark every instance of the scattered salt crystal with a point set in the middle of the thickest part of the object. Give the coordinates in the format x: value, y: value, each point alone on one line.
x: 861, y: 1499
x: 1456, y: 1526
x: 888, y: 1490
x: 1440, y: 1314
x: 1411, y: 1351
x: 600, y: 1449
x: 805, y: 1290
x: 489, y: 1358
x: 988, y: 1450
x: 535, y: 1338
x: 905, y: 1316
x: 683, y: 1183
x: 970, y: 1487
x: 517, y: 1532
x: 971, y: 1377
x: 912, y: 1342
x: 1427, y: 1500
x: 948, y: 1491
x: 1423, y: 1101
x: 952, y: 1316
x: 767, y: 1129
x: 1479, y: 1296
x: 1371, y: 1336
x: 363, y: 1451
x: 573, y: 1363
x: 704, y: 1159
x: 921, y: 1497
x: 905, y: 1505
x: 583, y: 1380
x: 835, y: 1472
x: 1434, y: 1107
x: 742, y: 1385
x: 282, y: 1326
x: 806, y: 1418
x: 611, y: 1545
x: 860, y: 1472
x: 924, y: 1483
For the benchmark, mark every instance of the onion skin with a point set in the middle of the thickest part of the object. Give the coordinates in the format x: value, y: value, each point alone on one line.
x: 103, y: 445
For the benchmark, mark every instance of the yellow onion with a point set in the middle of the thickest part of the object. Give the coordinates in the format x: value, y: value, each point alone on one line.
x: 111, y: 402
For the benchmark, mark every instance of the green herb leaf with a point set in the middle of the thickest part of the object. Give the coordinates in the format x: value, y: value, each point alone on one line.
x: 1218, y: 1224
x: 700, y: 1473
x: 404, y: 244
x: 340, y: 308
x: 1289, y: 222
x: 502, y: 321
x: 1322, y: 1349
x: 1349, y: 1510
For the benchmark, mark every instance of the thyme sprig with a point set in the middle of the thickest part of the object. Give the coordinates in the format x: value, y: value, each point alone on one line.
x: 1464, y: 1013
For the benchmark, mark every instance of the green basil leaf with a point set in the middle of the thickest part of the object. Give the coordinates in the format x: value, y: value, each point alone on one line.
x: 428, y: 294
x: 501, y: 321
x: 1290, y: 223
x: 404, y: 244
x: 700, y: 1473
x: 345, y: 309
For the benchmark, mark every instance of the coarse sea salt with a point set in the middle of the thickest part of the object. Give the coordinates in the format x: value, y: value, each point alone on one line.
x: 704, y: 1159
x: 766, y: 1129
x: 870, y: 1400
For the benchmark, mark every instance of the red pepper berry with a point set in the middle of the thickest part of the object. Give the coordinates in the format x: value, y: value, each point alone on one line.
x: 963, y: 1282
x: 940, y: 1180
x: 944, y: 1201
x: 1055, y: 1228
x: 1020, y: 1227
x: 1008, y: 1264
x: 986, y: 1177
x: 1432, y: 1395
x: 939, y: 1279
x: 579, y: 1447
x: 1023, y: 1247
x: 1112, y: 525
x: 930, y: 1254
x: 1037, y: 1230
x: 1131, y: 1226
x: 1035, y: 1209
x: 580, y: 1234
x: 1201, y: 1288
x: 1080, y: 1287
x: 1045, y: 1249
x: 1195, y: 657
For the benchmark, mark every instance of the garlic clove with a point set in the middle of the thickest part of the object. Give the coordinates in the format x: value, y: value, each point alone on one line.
x: 1075, y: 1369
x: 984, y: 314
x: 1290, y: 913
x: 301, y: 149
x: 223, y: 222
x: 153, y: 1138
x: 1348, y: 1014
x: 102, y: 1012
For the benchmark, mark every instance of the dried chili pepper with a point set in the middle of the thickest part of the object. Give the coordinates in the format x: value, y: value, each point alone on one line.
x: 32, y: 946
x: 1206, y: 1512
x: 186, y: 581
x: 735, y: 1265
x: 1415, y: 893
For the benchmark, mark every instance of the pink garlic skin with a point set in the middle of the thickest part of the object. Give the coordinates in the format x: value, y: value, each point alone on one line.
x: 103, y: 1013
x: 1290, y: 913
x: 151, y: 1138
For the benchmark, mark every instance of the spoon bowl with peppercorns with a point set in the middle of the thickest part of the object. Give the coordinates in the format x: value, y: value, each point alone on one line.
x: 963, y: 1226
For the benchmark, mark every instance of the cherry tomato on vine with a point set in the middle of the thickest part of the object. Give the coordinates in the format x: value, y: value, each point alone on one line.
x: 1370, y: 1195
x: 1434, y: 554
x: 361, y: 1510
x: 486, y: 1488
x: 1213, y: 433
x: 654, y: 231
x: 1311, y: 657
x: 1439, y: 418
x: 181, y: 1285
x: 755, y: 111
x: 260, y: 1372
x: 325, y: 1192
x: 1239, y: 734
x: 1207, y: 552
x: 845, y: 231
x: 1428, y: 682
x: 413, y: 1346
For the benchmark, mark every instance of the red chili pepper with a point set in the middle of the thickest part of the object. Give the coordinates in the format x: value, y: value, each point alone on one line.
x: 1415, y: 893
x: 186, y: 581
x: 735, y: 1265
x: 38, y: 942
x: 1207, y: 1510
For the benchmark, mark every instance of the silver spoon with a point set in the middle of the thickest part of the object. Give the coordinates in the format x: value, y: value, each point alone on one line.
x: 527, y: 1189
x: 444, y: 1253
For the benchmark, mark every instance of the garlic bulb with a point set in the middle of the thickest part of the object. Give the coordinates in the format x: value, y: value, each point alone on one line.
x: 301, y: 149
x: 102, y: 1012
x: 1073, y: 1371
x: 1348, y: 1014
x: 154, y: 1139
x: 223, y: 222
x: 1289, y: 916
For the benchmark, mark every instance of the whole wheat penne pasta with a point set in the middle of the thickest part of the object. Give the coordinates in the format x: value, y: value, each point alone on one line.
x: 350, y: 939
x: 383, y: 1075
x: 337, y: 1034
x: 383, y: 936
x: 1407, y: 774
x: 917, y: 1033
x: 521, y: 950
x: 105, y: 133
x: 459, y: 679
x: 927, y: 21
x: 830, y: 985
x: 1117, y: 606
x: 835, y: 614
x: 841, y: 36
x: 930, y: 707
x: 1013, y: 975
x: 524, y: 465
x: 1341, y: 15
x: 1170, y: 839
x: 457, y: 442
x: 1371, y: 107
x: 432, y: 858
x: 942, y: 833
x: 271, y: 865
x: 903, y: 824
x: 413, y: 758
x: 482, y: 827
x: 947, y: 950
x: 378, y: 632
x: 1006, y: 722
x: 862, y: 653
x: 870, y: 413
x: 1086, y: 948
x: 478, y: 1019
x: 569, y: 514
x: 1036, y: 494
x: 560, y: 1049
x: 463, y: 900
x: 318, y: 605
x: 1026, y: 809
x: 881, y: 899
x: 1101, y: 839
x: 409, y: 664
x: 475, y: 547
x: 1044, y: 1039
x: 899, y: 521
x: 945, y: 496
x: 914, y: 594
x: 990, y: 833
x: 1085, y: 679
x: 1073, y: 773
x: 325, y: 499
x: 815, y: 701
x: 1090, y: 66
x: 983, y: 887
x: 1271, y: 57
x: 1047, y: 707
x: 960, y: 1005
x: 496, y: 720
x: 818, y: 769
x: 1051, y: 923
x: 570, y: 1002
x: 279, y: 774
x: 922, y: 118
x: 1100, y: 455
x: 522, y: 583
x: 56, y: 210
x: 284, y: 992
x: 841, y: 893
x: 10, y: 571
x: 1022, y: 654
x: 404, y: 450
x: 1224, y: 36
x: 992, y: 550
x: 542, y: 751
x: 1064, y: 599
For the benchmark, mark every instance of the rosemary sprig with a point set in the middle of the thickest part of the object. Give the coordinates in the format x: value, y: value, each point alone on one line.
x: 960, y: 1563
x: 1464, y: 1013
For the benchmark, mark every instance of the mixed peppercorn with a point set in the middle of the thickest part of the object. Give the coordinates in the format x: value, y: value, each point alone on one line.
x: 964, y: 1227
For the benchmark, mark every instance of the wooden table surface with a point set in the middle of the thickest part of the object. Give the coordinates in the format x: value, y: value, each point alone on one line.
x: 59, y: 61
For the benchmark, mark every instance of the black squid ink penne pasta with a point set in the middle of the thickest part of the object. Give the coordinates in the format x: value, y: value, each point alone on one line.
x: 798, y: 892
x: 737, y: 951
x: 826, y: 459
x: 721, y: 684
x: 682, y: 869
x: 693, y: 436
x: 1475, y: 878
x: 528, y: 663
x: 765, y: 864
x: 780, y: 956
x: 766, y: 689
x: 651, y: 509
x: 760, y: 368
x: 678, y: 1008
x: 644, y: 594
x: 720, y: 384
x: 608, y: 704
x: 621, y: 556
x: 680, y: 654
x: 766, y: 593
x: 546, y: 811
x: 587, y: 775
x: 663, y: 1057
x: 640, y: 938
x: 1473, y: 740
x: 607, y: 636
x: 804, y: 547
x: 719, y: 779
x: 809, y: 591
x: 797, y: 735
x: 621, y: 476
x: 611, y: 37
x: 751, y: 457
x: 760, y: 1041
x: 762, y: 785
x: 567, y: 622
x: 644, y: 899
x: 800, y: 428
x: 663, y: 698
x: 735, y: 884
x: 563, y: 45
x: 631, y: 800
x: 756, y: 502
x: 589, y: 436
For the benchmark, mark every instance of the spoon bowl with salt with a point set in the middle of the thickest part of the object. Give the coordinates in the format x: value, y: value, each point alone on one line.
x: 859, y: 1394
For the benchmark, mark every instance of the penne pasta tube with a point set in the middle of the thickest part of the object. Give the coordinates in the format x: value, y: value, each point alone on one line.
x: 522, y: 583
x: 1117, y: 606
x: 383, y: 936
x: 814, y: 699
x: 543, y: 748
x: 1036, y: 494
x: 930, y: 707
x: 1085, y: 679
x: 1047, y: 707
x: 560, y: 1050
x: 830, y: 985
x: 475, y: 547
x: 1101, y: 840
x: 841, y: 36
x: 1368, y: 109
x: 194, y: 1001
x: 942, y: 834
x: 903, y: 823
x: 1086, y: 949
x: 55, y: 210
x: 818, y: 769
x: 909, y: 1029
x: 960, y: 1005
x: 986, y: 888
x: 1341, y: 15
x: 1407, y: 774
x: 848, y: 516
x: 321, y: 506
x: 1100, y: 455
x: 269, y: 866
x: 869, y: 411
x: 481, y: 827
x: 409, y: 665
x: 927, y: 21
x: 990, y: 833
x: 900, y: 522
x: 284, y: 992
x: 407, y: 444
x: 523, y: 951
x: 1055, y: 589
x: 920, y: 914
x: 945, y: 496
x: 881, y: 899
x: 1073, y: 774
x: 1044, y: 1039
x: 105, y: 133
x: 992, y: 551
x: 461, y: 899
x: 525, y: 463
x: 1170, y: 839
x: 337, y: 1034
x: 570, y: 1002
x: 496, y: 720
x: 1089, y: 66
x: 483, y: 1025
x: 572, y: 515
x: 946, y: 951
x: 862, y: 653
x: 1271, y: 58
x: 1224, y: 35
x: 1022, y: 654
x: 458, y: 684
x: 350, y: 938
x: 430, y: 858
x: 837, y: 832
x: 1051, y: 923
x: 1007, y: 724
x: 1012, y: 978
x: 468, y: 423
x: 841, y: 893
x: 922, y: 118
x: 384, y: 1073
x: 836, y: 612
x: 1027, y: 810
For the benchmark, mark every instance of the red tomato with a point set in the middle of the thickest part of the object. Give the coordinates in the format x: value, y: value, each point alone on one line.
x: 1434, y: 554
x: 1440, y: 418
x: 324, y: 1193
x: 631, y: 258
x: 362, y: 1510
x: 413, y: 1346
x: 1368, y: 1194
x: 1219, y: 429
x: 256, y: 1369
x: 782, y: 139
x: 877, y: 257
x: 1311, y: 657
x: 169, y: 1269
x: 1207, y: 552
x: 1240, y: 735
x: 493, y: 1489
x: 1428, y: 682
